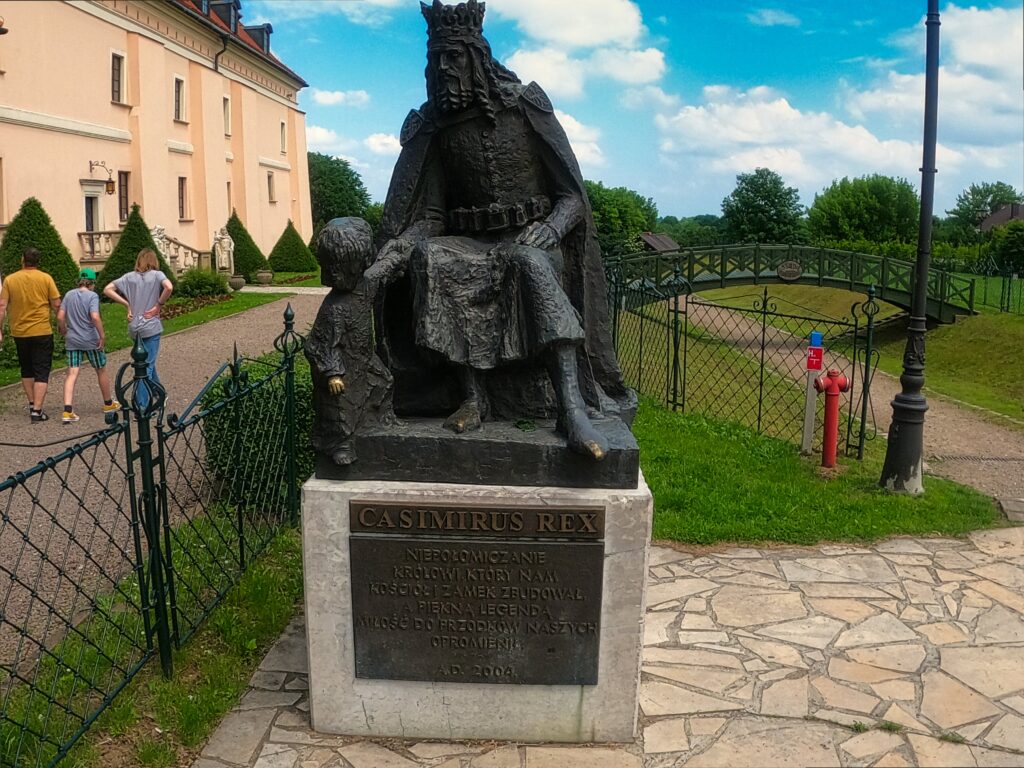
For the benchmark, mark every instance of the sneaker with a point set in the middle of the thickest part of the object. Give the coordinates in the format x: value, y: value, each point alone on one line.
x: 69, y: 417
x: 40, y: 416
x: 112, y: 408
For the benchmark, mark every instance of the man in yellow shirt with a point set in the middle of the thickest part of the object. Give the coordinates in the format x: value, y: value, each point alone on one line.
x: 29, y: 294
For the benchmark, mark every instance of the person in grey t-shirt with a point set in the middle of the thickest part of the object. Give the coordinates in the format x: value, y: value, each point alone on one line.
x: 143, y: 291
x: 80, y: 322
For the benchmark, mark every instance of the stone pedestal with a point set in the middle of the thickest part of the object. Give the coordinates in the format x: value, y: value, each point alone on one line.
x: 576, y: 534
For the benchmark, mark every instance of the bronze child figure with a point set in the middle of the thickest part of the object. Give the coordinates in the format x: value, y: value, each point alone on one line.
x: 351, y: 386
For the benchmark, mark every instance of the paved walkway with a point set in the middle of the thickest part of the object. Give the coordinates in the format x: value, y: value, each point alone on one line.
x: 908, y: 653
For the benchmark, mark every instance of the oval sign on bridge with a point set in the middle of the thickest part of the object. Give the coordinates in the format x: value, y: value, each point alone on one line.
x: 789, y: 271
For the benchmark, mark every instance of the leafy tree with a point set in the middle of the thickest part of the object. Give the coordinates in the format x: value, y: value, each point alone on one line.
x: 875, y: 208
x: 693, y: 231
x: 373, y: 215
x: 1010, y: 248
x: 32, y: 228
x: 335, y: 189
x: 620, y: 216
x: 762, y: 209
x: 134, y: 237
x: 249, y: 258
x: 975, y: 203
x: 290, y: 254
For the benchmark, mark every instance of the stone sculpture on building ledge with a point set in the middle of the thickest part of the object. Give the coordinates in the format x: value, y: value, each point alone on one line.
x: 491, y: 301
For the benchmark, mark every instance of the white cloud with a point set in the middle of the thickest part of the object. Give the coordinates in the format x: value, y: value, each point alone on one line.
x: 574, y: 23
x: 559, y: 75
x: 772, y: 17
x: 346, y: 98
x: 371, y: 13
x: 735, y: 132
x: 583, y: 139
x: 650, y: 96
x: 327, y: 140
x: 632, y: 67
x: 383, y: 144
x: 980, y: 100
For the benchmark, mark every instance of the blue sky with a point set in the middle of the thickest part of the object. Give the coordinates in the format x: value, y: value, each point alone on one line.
x: 673, y: 98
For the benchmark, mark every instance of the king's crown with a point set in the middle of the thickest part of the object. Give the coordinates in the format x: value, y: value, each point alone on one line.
x: 460, y: 21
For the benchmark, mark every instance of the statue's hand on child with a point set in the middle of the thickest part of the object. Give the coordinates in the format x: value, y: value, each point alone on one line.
x: 336, y: 385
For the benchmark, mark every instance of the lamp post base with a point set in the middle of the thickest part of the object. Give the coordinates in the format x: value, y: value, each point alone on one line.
x: 903, y: 468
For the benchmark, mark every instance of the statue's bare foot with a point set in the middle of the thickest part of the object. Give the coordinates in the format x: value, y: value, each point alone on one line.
x: 466, y: 418
x: 581, y: 435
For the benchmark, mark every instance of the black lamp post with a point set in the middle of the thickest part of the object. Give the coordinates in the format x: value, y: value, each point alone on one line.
x: 904, y: 453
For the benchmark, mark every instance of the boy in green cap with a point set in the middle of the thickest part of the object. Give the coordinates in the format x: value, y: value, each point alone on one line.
x: 80, y: 323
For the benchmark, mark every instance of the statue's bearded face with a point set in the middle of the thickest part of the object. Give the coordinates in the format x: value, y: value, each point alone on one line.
x: 454, y: 83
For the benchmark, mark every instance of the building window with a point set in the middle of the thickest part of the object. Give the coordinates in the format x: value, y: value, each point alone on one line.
x: 117, y: 78
x: 227, y: 116
x: 182, y: 197
x: 270, y: 187
x: 284, y: 138
x: 91, y: 213
x: 229, y: 198
x: 122, y: 195
x: 179, y: 99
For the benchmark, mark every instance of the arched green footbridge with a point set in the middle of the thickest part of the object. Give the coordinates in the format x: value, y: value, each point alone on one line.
x: 949, y: 294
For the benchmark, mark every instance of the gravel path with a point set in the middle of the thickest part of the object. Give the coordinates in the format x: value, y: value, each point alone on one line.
x: 66, y: 533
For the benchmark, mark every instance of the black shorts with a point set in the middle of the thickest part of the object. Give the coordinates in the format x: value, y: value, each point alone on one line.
x: 35, y: 356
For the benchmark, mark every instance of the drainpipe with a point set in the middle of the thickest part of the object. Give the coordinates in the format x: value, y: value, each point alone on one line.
x: 216, y: 57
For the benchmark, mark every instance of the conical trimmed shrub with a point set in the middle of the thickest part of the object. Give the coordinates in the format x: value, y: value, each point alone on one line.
x: 248, y: 258
x: 32, y: 228
x: 290, y: 254
x: 134, y: 237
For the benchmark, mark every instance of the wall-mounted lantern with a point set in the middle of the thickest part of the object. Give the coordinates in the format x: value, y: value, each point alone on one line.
x: 109, y: 186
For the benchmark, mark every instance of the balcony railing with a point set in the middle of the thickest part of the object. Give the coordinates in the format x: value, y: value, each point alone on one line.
x: 97, y: 246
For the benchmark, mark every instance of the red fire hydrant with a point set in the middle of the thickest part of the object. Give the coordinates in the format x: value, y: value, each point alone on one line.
x: 831, y: 384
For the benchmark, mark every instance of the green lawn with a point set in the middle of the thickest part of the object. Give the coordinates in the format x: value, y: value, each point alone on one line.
x: 718, y: 482
x: 311, y: 278
x: 115, y: 324
x: 978, y: 360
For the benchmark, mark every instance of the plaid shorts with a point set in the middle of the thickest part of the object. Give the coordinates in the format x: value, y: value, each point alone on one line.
x: 97, y: 357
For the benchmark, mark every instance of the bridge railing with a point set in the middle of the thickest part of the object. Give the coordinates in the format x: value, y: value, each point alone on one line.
x: 718, y: 266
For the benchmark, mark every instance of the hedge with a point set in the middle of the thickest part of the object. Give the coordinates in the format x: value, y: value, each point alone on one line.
x: 290, y: 254
x: 32, y: 228
x: 250, y: 476
x: 134, y: 237
x: 202, y: 282
x: 249, y: 258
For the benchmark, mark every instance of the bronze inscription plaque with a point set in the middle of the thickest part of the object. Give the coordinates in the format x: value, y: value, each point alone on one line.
x: 476, y: 594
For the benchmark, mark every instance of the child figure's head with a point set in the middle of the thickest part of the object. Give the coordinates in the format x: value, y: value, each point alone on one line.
x: 344, y: 249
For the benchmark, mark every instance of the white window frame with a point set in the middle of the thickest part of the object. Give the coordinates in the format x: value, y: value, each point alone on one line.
x: 284, y: 138
x: 179, y: 108
x: 271, y: 191
x: 182, y: 197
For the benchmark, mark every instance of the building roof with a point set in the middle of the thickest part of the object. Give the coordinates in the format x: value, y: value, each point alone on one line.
x: 213, y: 21
x: 660, y: 243
x: 1004, y: 215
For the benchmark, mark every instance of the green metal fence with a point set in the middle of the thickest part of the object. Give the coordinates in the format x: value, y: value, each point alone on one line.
x: 742, y: 360
x: 116, y: 549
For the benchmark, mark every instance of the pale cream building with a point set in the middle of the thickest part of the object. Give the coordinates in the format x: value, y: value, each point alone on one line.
x: 176, y: 102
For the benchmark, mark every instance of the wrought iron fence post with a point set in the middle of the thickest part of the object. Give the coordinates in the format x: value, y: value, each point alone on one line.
x: 870, y: 310
x: 289, y: 343
x: 144, y: 409
x: 234, y: 388
x: 675, y: 337
x: 760, y: 378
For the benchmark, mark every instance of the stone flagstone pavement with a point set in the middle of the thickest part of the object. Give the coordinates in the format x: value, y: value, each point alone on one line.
x: 905, y: 653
